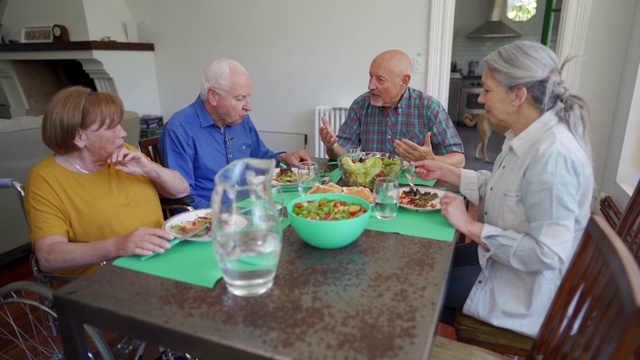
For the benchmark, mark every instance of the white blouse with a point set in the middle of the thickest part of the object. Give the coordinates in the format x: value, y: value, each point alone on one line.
x: 537, y: 202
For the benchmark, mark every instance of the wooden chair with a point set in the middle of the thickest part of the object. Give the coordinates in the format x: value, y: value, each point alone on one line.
x: 170, y: 207
x: 596, y: 312
x: 149, y: 147
x: 626, y: 225
x: 473, y: 331
x: 629, y: 224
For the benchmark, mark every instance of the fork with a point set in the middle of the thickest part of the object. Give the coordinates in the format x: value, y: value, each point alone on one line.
x: 410, y: 180
x: 176, y: 240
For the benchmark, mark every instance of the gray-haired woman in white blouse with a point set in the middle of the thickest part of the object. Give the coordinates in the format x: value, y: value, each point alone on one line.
x: 536, y: 200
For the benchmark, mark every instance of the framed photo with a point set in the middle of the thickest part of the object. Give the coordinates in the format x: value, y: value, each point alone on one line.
x: 36, y: 34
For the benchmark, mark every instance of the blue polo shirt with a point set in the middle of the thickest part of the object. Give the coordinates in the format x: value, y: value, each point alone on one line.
x: 195, y: 146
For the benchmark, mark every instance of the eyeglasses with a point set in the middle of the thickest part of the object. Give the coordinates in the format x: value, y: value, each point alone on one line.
x: 227, y: 143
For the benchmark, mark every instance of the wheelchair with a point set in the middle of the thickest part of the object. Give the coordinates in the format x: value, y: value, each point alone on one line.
x: 28, y: 321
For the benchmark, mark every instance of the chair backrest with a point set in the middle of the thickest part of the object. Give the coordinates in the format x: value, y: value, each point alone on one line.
x: 150, y: 148
x: 629, y: 224
x: 596, y: 311
x: 170, y: 207
x: 610, y: 211
x: 283, y: 141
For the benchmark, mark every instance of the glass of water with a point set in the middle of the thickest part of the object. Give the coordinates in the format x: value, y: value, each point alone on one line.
x: 387, y: 192
x: 307, y: 176
x: 278, y: 198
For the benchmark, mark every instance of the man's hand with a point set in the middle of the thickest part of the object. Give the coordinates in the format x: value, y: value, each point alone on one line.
x: 327, y: 135
x: 294, y: 158
x: 330, y: 140
x: 410, y: 151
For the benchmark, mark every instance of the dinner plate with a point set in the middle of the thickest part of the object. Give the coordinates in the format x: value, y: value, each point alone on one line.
x: 285, y: 186
x: 237, y: 222
x: 423, y: 189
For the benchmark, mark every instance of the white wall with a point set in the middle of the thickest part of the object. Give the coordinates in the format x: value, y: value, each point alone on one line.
x: 299, y: 53
x: 612, y: 125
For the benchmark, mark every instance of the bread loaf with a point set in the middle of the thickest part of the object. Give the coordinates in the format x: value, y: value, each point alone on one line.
x: 361, y: 192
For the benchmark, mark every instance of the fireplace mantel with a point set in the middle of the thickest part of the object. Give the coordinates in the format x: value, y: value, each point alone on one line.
x: 127, y: 69
x: 76, y: 45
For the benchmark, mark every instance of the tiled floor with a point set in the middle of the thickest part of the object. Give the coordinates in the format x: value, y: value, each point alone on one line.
x: 470, y: 137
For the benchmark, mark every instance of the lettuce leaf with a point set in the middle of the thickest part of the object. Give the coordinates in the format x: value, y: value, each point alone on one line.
x: 362, y: 172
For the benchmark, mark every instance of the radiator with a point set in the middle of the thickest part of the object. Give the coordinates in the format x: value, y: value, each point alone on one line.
x: 336, y: 116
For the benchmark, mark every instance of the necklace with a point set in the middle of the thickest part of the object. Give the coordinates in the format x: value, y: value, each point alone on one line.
x: 84, y: 171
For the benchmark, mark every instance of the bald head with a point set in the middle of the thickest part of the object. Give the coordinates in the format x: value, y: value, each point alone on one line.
x: 395, y: 61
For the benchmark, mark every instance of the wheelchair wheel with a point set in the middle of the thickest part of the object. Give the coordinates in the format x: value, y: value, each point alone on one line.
x: 29, y: 329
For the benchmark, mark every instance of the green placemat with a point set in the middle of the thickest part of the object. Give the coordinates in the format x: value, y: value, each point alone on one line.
x: 430, y: 224
x: 290, y: 196
x: 335, y: 176
x: 188, y: 261
x: 402, y: 179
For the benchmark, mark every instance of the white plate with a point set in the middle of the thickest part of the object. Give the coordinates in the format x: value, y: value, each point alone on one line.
x: 423, y: 189
x: 285, y: 186
x: 237, y: 222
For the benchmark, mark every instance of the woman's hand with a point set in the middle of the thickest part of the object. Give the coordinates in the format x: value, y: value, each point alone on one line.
x: 131, y: 162
x: 454, y: 209
x: 428, y: 169
x: 144, y: 241
x: 437, y: 170
x: 55, y: 252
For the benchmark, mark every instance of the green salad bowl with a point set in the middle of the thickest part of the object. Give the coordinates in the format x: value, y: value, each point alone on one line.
x: 326, y: 234
x: 363, y: 168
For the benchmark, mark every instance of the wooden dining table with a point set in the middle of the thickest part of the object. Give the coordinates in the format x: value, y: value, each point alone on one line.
x: 379, y: 297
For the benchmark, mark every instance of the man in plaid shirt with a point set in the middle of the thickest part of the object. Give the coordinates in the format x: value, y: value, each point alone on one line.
x: 395, y: 118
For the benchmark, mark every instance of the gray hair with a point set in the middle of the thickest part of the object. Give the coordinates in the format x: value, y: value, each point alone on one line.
x: 216, y: 76
x: 536, y: 67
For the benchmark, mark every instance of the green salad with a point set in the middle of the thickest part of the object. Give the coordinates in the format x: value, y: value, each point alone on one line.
x: 330, y: 210
x: 365, y: 171
x: 286, y: 176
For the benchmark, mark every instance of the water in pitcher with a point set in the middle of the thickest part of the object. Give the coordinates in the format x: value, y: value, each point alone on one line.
x: 248, y: 261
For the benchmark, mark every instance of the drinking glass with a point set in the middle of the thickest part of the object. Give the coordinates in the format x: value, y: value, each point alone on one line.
x: 307, y: 176
x: 247, y: 233
x: 387, y: 192
x: 278, y: 198
x: 354, y: 150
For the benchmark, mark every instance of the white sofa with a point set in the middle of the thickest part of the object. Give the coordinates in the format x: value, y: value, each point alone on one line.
x: 21, y: 148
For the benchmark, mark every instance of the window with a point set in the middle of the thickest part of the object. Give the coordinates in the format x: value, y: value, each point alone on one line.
x: 551, y: 22
x: 629, y: 166
x: 521, y: 10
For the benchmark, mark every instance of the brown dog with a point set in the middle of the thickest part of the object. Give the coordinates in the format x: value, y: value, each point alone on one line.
x: 485, y: 127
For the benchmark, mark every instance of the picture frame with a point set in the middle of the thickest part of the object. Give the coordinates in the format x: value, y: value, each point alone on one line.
x: 33, y: 34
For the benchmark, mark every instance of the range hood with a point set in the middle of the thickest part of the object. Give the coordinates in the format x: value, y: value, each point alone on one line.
x: 494, y: 27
